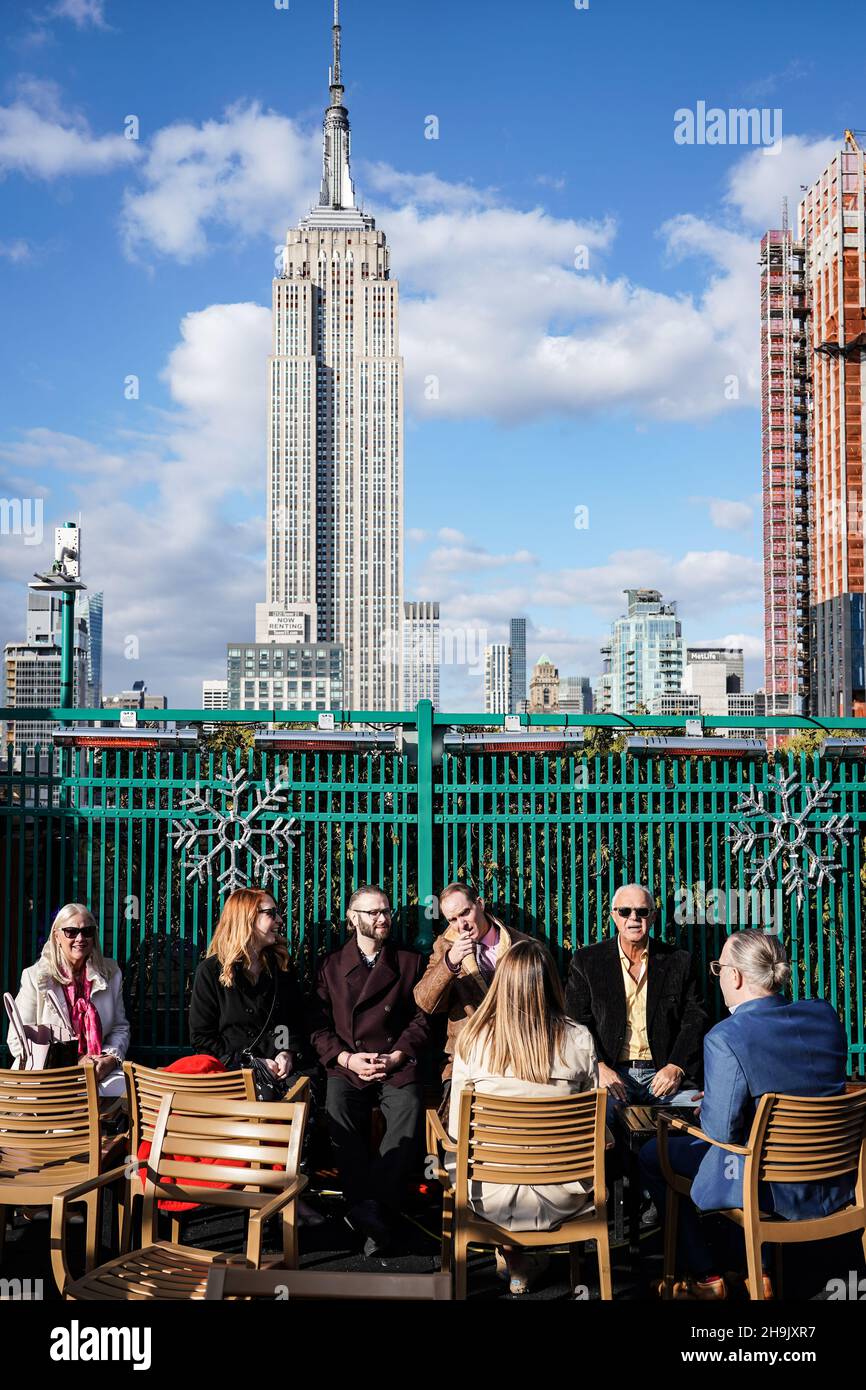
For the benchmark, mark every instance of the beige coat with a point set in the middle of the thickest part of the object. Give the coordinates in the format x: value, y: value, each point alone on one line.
x: 441, y: 991
x: 42, y: 1000
x: 525, y: 1207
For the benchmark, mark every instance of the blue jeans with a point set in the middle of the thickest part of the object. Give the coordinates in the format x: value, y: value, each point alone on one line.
x: 637, y: 1090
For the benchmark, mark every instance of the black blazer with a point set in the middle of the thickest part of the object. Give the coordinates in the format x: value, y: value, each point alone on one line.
x: 222, y: 1022
x: 675, y: 1014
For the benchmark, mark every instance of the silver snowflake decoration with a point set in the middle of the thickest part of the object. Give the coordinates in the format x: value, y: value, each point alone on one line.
x: 234, y: 834
x: 779, y: 840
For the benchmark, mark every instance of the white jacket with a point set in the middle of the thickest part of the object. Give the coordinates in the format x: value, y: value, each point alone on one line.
x: 42, y: 1000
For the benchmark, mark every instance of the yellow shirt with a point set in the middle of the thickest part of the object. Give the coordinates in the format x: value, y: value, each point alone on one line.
x: 636, y: 1044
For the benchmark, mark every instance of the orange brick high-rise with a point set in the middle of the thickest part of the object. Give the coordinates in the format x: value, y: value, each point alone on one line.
x: 833, y: 229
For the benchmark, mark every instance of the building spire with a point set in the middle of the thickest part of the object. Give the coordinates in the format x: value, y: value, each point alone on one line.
x: 336, y: 76
x: 338, y: 191
x: 337, y: 206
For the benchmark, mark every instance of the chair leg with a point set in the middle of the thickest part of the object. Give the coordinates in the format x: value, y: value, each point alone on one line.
x: 445, y: 1254
x: 574, y: 1266
x: 175, y: 1230
x: 91, y: 1202
x: 863, y: 1238
x: 460, y: 1252
x: 777, y: 1285
x: 290, y: 1236
x: 3, y: 1232
x: 753, y: 1263
x: 602, y: 1247
x: 672, y: 1211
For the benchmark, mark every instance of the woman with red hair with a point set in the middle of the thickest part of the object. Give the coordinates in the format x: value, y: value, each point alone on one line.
x: 245, y: 996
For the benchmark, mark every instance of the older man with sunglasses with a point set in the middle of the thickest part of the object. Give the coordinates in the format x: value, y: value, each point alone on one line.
x: 640, y: 999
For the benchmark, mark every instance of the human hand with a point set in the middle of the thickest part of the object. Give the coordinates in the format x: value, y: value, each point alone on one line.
x: 459, y: 949
x: 282, y: 1065
x: 366, y: 1065
x: 391, y: 1061
x: 612, y: 1080
x: 666, y: 1080
x: 104, y: 1065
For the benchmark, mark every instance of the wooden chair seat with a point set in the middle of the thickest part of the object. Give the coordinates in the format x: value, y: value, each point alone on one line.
x: 793, y: 1139
x: 50, y: 1139
x: 523, y: 1141
x: 252, y: 1147
x: 160, y: 1271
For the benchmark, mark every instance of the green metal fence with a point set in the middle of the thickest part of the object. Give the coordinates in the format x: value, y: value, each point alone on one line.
x: 153, y: 841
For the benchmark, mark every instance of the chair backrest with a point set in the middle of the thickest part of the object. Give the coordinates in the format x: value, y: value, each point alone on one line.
x: 807, y: 1138
x: 146, y: 1086
x: 199, y: 1140
x: 529, y: 1139
x: 49, y: 1117
x: 230, y: 1281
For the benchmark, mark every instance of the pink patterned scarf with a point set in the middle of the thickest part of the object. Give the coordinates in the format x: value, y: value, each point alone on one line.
x: 86, y: 1023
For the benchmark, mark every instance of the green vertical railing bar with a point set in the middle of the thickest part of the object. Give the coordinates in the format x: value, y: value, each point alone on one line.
x: 424, y: 937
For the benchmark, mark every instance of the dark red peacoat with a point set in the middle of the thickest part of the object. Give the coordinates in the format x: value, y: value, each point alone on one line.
x: 361, y: 1010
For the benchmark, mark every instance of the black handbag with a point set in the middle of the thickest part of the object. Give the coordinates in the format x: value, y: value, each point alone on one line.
x: 268, y: 1086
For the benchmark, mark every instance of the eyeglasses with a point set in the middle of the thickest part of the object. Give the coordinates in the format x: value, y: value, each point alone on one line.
x: 717, y: 966
x: 641, y: 912
x: 271, y: 912
x: 71, y: 932
x: 373, y: 912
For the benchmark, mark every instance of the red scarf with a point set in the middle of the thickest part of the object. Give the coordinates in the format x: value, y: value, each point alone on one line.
x: 86, y: 1023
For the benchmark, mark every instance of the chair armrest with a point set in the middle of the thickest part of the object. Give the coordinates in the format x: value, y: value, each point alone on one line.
x: 436, y: 1134
x: 288, y: 1194
x: 59, y: 1203
x: 699, y: 1134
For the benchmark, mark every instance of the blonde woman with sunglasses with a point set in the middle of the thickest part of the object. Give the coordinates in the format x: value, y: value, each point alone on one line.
x: 78, y: 992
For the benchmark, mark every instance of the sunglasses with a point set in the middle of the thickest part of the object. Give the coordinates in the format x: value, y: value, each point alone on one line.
x: 717, y: 966
x: 641, y: 912
x: 271, y: 912
x: 71, y: 932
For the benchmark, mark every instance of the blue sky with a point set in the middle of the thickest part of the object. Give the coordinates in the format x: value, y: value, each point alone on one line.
x: 583, y: 288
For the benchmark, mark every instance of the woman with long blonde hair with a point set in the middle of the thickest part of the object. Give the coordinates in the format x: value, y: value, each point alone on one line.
x: 245, y: 995
x: 519, y: 1042
x: 78, y: 992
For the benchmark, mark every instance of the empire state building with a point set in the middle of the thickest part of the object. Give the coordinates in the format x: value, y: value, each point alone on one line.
x: 335, y: 433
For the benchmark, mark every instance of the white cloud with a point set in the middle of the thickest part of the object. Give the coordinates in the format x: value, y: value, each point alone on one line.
x: 243, y: 175
x: 15, y: 251
x: 757, y: 184
x: 160, y: 534
x: 753, y: 647
x: 728, y: 515
x: 463, y: 557
x: 81, y: 12
x: 41, y: 139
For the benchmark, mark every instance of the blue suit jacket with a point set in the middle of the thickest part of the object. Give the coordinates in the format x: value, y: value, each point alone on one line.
x: 766, y: 1045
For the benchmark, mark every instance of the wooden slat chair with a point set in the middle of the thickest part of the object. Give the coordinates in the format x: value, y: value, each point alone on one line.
x: 792, y: 1139
x: 49, y: 1138
x: 258, y: 1148
x: 145, y: 1088
x: 229, y: 1281
x: 533, y: 1140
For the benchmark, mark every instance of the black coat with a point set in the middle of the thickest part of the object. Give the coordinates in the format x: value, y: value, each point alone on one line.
x: 675, y: 1014
x: 361, y: 1010
x: 222, y: 1021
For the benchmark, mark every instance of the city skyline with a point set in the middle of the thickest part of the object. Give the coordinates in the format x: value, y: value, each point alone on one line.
x: 187, y: 258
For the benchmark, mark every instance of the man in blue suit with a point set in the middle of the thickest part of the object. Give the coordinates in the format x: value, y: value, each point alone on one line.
x: 767, y: 1045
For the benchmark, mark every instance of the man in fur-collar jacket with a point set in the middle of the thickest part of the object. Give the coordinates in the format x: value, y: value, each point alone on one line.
x: 463, y: 960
